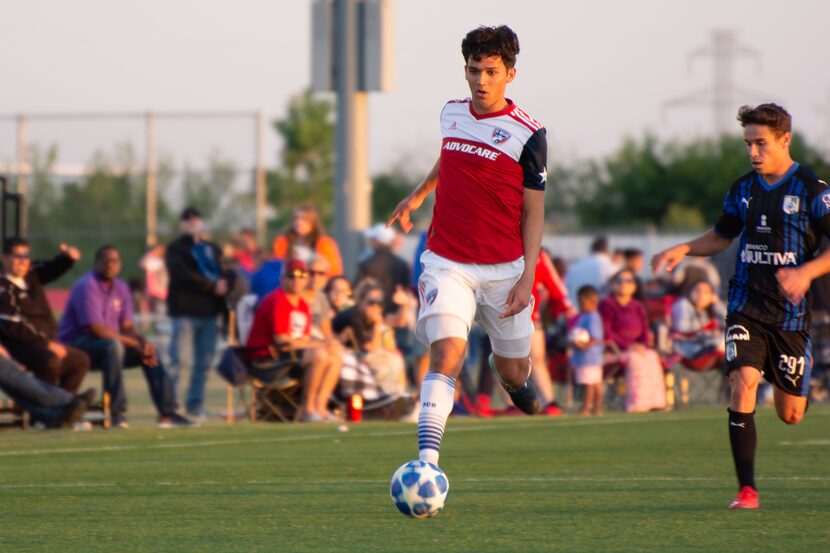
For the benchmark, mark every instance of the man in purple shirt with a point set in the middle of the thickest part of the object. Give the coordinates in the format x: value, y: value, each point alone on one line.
x: 99, y: 320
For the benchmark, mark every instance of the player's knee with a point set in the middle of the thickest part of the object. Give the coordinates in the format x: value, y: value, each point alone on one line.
x: 514, y: 371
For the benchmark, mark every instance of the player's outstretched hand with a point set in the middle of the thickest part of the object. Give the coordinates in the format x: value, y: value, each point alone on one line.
x: 794, y: 283
x: 669, y: 259
x: 402, y: 210
x: 518, y: 298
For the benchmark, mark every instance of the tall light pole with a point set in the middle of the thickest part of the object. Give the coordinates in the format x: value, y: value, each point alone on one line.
x: 351, y: 54
x: 353, y: 188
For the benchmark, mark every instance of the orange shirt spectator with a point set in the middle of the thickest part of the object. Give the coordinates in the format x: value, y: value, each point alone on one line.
x: 305, y: 238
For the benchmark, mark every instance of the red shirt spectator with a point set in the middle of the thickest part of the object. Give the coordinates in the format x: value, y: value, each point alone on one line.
x: 548, y: 288
x: 276, y: 315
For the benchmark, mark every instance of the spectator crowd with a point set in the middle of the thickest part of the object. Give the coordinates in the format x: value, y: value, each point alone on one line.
x: 596, y: 321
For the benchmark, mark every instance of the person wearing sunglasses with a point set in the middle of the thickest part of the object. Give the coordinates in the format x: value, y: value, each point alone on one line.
x: 28, y: 328
x: 367, y: 333
x: 282, y: 329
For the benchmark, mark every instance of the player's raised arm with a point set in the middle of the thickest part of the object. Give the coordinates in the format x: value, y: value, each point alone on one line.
x: 414, y: 200
x: 703, y: 246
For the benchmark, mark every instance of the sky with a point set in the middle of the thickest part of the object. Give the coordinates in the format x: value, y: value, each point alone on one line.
x: 593, y: 71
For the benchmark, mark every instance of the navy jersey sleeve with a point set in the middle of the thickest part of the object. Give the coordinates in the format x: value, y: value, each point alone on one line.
x: 730, y: 224
x: 820, y: 209
x: 534, y: 161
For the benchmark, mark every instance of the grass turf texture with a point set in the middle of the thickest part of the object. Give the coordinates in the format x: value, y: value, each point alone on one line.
x: 654, y: 482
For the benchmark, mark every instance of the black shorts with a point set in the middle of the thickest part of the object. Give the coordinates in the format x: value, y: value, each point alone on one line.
x: 784, y: 357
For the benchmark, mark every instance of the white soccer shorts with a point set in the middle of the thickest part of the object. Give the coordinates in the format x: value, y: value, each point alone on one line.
x: 453, y: 295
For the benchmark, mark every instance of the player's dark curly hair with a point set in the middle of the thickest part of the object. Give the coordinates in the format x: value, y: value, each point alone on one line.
x: 770, y: 115
x: 491, y: 41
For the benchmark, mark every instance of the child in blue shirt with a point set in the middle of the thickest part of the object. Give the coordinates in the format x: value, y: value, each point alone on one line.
x: 587, y: 341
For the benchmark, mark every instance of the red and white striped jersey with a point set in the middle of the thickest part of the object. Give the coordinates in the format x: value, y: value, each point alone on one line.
x: 486, y: 163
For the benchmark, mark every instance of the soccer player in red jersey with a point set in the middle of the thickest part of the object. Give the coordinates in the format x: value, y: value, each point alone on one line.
x: 486, y: 232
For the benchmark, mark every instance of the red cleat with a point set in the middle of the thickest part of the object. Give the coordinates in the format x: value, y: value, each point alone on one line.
x: 552, y: 410
x: 747, y: 498
x: 484, y: 409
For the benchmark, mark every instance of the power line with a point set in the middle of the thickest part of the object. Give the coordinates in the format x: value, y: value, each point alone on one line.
x: 721, y: 97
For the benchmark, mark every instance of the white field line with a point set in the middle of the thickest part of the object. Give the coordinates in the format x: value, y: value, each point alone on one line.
x: 410, y: 430
x: 295, y: 482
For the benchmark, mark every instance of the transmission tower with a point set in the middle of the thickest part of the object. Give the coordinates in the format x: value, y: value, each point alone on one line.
x: 723, y: 96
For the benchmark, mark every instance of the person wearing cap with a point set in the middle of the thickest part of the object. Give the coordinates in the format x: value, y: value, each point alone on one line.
x: 27, y: 323
x: 383, y: 265
x: 282, y: 330
x: 195, y: 299
x: 394, y: 277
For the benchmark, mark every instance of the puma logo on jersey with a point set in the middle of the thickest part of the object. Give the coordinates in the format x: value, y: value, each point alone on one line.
x: 543, y: 176
x: 746, y: 201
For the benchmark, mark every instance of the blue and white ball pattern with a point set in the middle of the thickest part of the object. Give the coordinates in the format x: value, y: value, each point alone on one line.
x: 419, y: 489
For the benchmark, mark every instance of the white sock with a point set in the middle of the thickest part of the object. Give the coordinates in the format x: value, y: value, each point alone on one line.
x: 437, y: 396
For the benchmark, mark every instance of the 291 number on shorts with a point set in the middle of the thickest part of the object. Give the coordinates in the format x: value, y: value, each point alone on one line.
x: 791, y: 364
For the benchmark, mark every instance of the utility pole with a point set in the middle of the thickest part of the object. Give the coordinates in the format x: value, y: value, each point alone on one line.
x: 152, y: 180
x: 723, y: 96
x: 353, y: 189
x: 351, y: 55
x: 22, y: 168
x: 260, y: 179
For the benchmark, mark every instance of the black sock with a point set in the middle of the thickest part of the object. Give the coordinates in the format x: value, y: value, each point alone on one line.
x: 743, y: 438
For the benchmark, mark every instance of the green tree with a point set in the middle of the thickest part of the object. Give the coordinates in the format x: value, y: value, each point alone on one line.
x: 213, y: 192
x: 390, y: 188
x: 307, y: 159
x: 108, y: 206
x: 667, y: 184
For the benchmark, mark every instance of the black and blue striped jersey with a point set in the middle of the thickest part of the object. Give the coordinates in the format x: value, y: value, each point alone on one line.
x: 781, y: 225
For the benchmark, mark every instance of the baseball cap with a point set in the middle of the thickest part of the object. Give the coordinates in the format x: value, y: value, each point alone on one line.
x: 380, y: 233
x: 295, y: 266
x: 190, y: 213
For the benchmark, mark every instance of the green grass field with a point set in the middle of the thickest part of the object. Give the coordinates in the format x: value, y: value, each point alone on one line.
x: 655, y: 482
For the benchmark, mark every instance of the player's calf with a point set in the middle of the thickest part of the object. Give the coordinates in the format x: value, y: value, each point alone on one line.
x: 520, y: 387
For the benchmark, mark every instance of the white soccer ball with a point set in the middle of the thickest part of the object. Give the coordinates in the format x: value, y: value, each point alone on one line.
x: 419, y: 489
x: 578, y: 336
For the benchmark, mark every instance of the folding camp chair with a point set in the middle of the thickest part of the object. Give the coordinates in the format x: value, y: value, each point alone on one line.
x: 277, y: 390
x: 276, y: 384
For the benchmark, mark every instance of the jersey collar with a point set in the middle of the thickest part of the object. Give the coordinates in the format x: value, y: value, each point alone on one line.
x: 784, y: 179
x: 507, y: 109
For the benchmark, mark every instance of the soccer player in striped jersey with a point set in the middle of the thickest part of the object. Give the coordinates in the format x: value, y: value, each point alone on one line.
x: 780, y: 210
x: 485, y: 236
